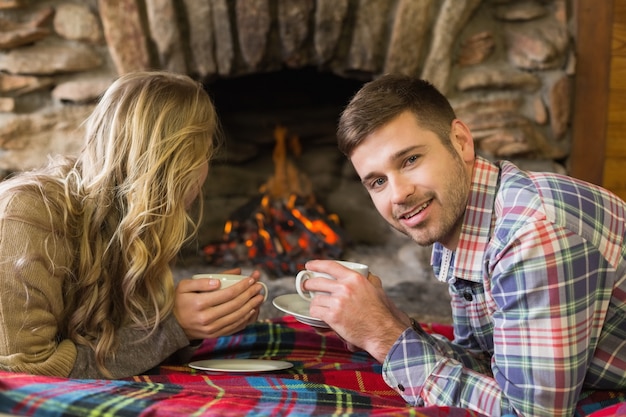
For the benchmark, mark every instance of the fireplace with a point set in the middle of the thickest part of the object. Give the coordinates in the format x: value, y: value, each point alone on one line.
x: 293, y: 196
x: 507, y: 67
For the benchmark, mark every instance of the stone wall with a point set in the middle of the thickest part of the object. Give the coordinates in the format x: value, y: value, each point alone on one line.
x: 507, y: 66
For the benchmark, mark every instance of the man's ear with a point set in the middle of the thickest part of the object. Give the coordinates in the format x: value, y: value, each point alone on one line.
x: 463, y: 140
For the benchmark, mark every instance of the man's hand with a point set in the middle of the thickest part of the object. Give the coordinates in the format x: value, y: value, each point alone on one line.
x: 357, y: 308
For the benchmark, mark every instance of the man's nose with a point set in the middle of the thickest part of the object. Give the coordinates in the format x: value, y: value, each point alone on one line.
x: 401, y: 188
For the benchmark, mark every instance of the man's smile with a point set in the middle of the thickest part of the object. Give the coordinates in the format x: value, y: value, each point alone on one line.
x: 409, y: 215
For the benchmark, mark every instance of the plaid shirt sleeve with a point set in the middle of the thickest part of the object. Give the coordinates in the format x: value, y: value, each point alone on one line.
x: 548, y: 314
x: 418, y: 362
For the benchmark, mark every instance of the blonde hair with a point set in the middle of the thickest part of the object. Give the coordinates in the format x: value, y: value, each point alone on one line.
x: 123, y: 201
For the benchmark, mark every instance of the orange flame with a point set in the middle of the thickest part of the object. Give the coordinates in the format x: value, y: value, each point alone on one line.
x: 317, y: 226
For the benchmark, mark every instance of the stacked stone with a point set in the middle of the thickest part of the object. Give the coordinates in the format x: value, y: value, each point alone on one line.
x: 49, y: 56
x: 506, y: 64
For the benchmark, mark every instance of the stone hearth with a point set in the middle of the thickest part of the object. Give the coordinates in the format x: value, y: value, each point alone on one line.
x: 507, y: 66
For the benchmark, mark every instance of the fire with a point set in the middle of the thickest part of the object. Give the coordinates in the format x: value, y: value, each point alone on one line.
x: 284, y: 226
x: 318, y: 227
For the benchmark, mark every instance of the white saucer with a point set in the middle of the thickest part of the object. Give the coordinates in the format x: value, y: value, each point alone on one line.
x: 299, y: 308
x: 240, y: 365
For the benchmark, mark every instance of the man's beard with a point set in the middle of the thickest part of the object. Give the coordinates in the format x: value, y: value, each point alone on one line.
x: 452, y: 205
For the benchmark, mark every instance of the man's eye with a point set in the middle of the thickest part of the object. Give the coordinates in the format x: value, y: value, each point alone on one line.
x: 378, y: 182
x: 411, y: 159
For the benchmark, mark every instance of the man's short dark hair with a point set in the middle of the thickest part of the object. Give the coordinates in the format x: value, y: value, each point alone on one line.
x: 380, y: 101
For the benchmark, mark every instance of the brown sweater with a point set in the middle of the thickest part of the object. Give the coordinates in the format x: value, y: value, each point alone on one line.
x: 32, y: 301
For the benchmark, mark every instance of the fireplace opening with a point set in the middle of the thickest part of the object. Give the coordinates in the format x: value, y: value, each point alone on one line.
x: 283, y: 226
x: 283, y: 89
x: 285, y: 117
x: 306, y: 101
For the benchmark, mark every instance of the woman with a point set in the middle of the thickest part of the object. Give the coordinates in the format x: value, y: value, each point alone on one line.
x: 86, y: 244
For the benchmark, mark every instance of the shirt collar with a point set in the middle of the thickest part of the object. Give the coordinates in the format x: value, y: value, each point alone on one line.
x: 476, y: 227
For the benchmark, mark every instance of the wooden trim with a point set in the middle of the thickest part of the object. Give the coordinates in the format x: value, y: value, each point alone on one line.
x: 594, y: 20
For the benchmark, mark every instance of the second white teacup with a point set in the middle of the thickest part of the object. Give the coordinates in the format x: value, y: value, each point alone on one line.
x: 230, y: 279
x: 306, y: 274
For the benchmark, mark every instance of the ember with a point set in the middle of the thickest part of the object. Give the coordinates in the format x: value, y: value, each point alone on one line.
x: 284, y: 226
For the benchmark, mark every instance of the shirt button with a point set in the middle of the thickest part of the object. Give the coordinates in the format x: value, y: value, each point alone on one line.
x: 401, y: 387
x: 468, y: 296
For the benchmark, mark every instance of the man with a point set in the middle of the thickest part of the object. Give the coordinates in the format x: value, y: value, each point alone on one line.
x: 536, y: 264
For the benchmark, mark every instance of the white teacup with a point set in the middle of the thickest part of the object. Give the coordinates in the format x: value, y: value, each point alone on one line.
x: 306, y: 274
x: 230, y: 279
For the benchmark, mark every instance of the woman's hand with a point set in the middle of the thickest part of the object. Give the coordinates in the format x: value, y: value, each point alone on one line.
x: 204, y: 312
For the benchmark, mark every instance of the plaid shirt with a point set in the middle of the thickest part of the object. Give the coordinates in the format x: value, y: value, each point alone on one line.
x: 538, y: 286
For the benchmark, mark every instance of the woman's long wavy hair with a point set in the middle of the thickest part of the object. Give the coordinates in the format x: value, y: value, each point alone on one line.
x: 123, y: 201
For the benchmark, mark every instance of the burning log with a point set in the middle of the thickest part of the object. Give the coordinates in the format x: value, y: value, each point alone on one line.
x: 283, y: 227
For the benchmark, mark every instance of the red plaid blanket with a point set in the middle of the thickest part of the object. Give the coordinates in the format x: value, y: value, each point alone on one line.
x: 326, y: 380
